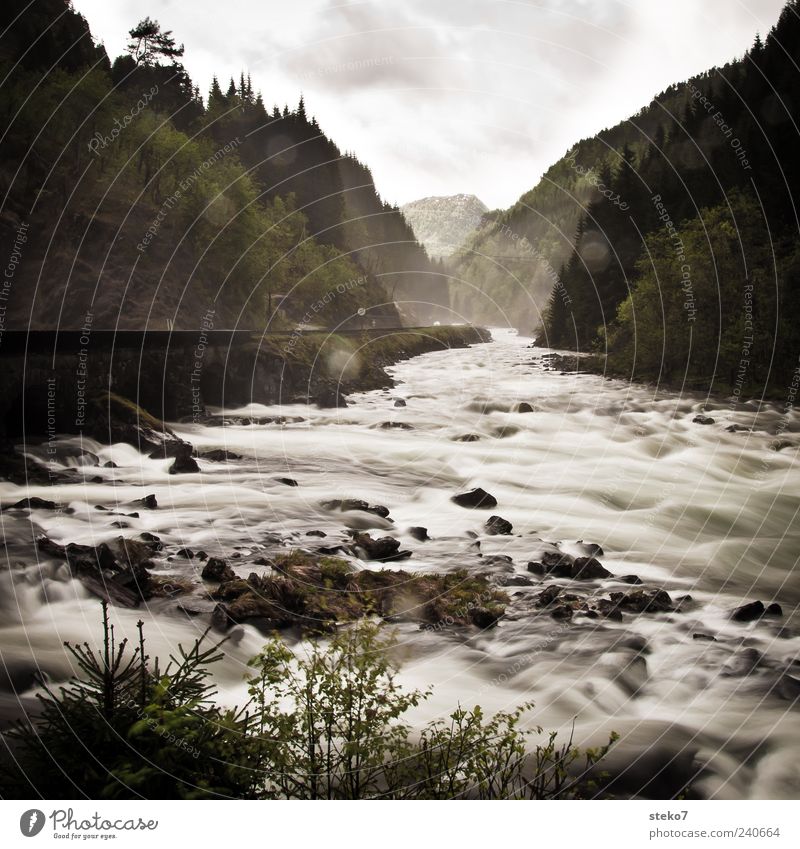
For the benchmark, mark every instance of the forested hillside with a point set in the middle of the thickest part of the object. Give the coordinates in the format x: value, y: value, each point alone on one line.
x: 128, y: 201
x: 670, y: 240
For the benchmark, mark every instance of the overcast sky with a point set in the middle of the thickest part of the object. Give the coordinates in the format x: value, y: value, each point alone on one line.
x: 447, y: 96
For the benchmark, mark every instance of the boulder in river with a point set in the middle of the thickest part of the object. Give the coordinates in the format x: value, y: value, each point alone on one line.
x: 112, y: 418
x: 348, y: 504
x: 33, y: 503
x: 149, y: 501
x: 287, y: 481
x: 703, y: 420
x: 558, y: 564
x: 216, y: 569
x: 399, y: 402
x: 220, y: 455
x: 497, y: 526
x: 748, y: 612
x: 385, y: 549
x: 475, y: 499
x: 184, y: 463
x: 419, y: 533
x: 524, y: 407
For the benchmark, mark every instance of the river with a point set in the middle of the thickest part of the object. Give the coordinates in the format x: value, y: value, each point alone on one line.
x: 692, y: 508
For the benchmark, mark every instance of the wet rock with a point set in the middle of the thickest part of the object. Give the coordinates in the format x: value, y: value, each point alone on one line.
x: 467, y: 437
x: 216, y: 569
x: 497, y: 526
x: 384, y: 550
x: 588, y: 569
x: 631, y: 579
x: 590, y: 549
x: 536, y: 567
x: 149, y: 501
x: 328, y: 398
x: 185, y: 552
x: 151, y: 538
x: 110, y: 591
x: 395, y: 426
x: 112, y: 418
x: 484, y: 618
x: 748, y: 612
x: 524, y: 407
x: 703, y: 420
x: 744, y: 662
x: 34, y: 503
x: 399, y: 402
x: 562, y: 612
x: 707, y: 637
x: 220, y: 455
x: 316, y: 534
x: 110, y: 465
x: 287, y: 481
x: 347, y: 504
x: 184, y: 463
x: 514, y: 581
x: 735, y: 428
x: 120, y: 524
x: 475, y: 499
x: 788, y: 688
x: 644, y: 601
x: 548, y: 595
x: 773, y: 609
x: 419, y: 533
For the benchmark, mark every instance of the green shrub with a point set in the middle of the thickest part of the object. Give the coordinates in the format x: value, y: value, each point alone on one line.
x: 324, y: 724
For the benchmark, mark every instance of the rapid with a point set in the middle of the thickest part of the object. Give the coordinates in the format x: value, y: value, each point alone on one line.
x: 695, y: 509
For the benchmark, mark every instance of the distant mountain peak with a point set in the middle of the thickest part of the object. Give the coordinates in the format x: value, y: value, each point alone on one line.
x: 442, y: 223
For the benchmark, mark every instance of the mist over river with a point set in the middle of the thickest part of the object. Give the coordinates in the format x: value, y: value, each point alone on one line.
x: 693, y: 509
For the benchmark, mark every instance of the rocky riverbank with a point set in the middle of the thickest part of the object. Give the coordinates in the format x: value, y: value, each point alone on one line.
x: 46, y: 394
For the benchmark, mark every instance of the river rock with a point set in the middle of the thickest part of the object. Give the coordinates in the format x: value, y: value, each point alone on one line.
x: 328, y: 398
x: 220, y: 455
x: 184, y: 463
x: 644, y: 601
x: 475, y: 499
x: 748, y: 612
x: 524, y: 407
x: 149, y: 501
x: 384, y: 550
x: 773, y: 609
x: 399, y: 402
x: 33, y: 503
x: 348, y: 504
x: 497, y: 526
x: 287, y: 481
x: 588, y: 569
x: 703, y: 420
x: 467, y: 437
x: 216, y: 569
x: 631, y: 579
x: 419, y: 533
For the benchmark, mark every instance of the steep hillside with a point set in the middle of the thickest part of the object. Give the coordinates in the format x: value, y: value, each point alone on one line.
x: 127, y: 202
x: 670, y: 240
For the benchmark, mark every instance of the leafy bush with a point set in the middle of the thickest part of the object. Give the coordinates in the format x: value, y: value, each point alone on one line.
x: 327, y: 724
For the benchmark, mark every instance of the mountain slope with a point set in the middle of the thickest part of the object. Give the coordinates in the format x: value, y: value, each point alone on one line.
x: 442, y: 224
x: 128, y: 201
x: 642, y: 241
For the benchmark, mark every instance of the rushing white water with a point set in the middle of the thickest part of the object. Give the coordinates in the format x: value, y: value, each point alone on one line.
x: 687, y: 507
